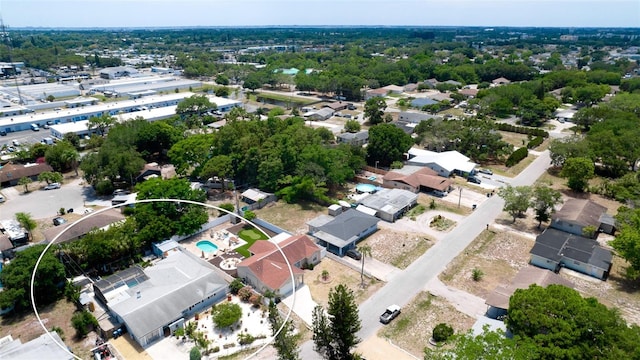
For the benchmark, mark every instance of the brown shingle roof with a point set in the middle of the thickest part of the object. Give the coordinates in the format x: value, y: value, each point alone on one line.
x: 83, y: 227
x: 499, y: 298
x: 12, y: 172
x: 424, y: 177
x: 269, y: 266
x: 5, y: 243
x: 581, y: 211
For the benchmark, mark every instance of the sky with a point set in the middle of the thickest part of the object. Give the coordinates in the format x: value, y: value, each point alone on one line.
x: 212, y: 13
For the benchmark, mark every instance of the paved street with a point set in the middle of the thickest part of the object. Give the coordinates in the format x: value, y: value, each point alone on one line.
x: 45, y: 203
x: 408, y: 283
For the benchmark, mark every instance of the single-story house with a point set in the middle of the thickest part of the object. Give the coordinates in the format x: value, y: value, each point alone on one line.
x: 266, y: 269
x: 357, y: 139
x: 390, y: 204
x: 257, y: 197
x: 416, y: 117
x: 577, y: 214
x: 341, y: 233
x: 453, y: 82
x: 337, y: 106
x: 555, y: 249
x: 381, y: 92
x: 410, y: 87
x: 393, y: 89
x: 498, y: 299
x: 44, y: 346
x: 420, y: 102
x: 153, y: 302
x: 468, y: 93
x: 424, y: 179
x: 444, y: 163
x: 441, y: 97
x: 10, y: 174
x: 152, y: 170
x: 500, y: 81
x: 84, y: 226
x: 319, y: 115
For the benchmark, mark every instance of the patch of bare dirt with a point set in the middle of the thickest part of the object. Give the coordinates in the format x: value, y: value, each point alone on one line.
x: 27, y: 328
x: 413, y: 328
x: 338, y: 274
x: 399, y: 249
x: 291, y: 217
x: 498, y: 254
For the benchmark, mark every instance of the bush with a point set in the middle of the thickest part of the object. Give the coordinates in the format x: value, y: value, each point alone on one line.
x: 477, y: 274
x: 226, y: 206
x: 83, y: 322
x: 535, y: 142
x: 195, y: 354
x: 215, y: 349
x: 104, y: 187
x: 226, y: 314
x: 245, y: 339
x: 517, y: 156
x: 235, y: 286
x: 442, y: 332
x: 255, y: 299
x: 245, y: 293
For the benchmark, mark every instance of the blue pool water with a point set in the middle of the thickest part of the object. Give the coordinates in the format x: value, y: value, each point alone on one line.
x: 366, y: 188
x: 207, y: 246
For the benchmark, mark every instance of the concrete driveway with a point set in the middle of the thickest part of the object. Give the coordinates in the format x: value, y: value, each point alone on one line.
x: 302, y: 304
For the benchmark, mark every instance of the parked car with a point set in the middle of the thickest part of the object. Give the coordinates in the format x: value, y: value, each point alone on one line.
x: 2, y: 199
x: 52, y: 186
x: 59, y: 221
x: 121, y: 192
x: 15, y: 143
x: 391, y: 313
x: 473, y: 179
x: 486, y: 171
x: 354, y: 254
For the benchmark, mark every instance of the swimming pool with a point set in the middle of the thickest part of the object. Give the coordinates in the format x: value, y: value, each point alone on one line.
x: 207, y: 246
x: 368, y: 188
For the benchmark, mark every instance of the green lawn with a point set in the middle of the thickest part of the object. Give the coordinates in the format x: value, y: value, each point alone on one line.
x: 250, y: 235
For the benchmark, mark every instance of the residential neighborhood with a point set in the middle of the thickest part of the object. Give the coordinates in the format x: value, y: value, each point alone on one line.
x: 159, y: 204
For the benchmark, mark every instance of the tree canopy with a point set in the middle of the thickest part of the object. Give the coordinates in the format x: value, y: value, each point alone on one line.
x: 387, y: 143
x: 334, y: 332
x: 16, y: 279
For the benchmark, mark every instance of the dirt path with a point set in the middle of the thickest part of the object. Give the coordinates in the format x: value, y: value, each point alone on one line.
x: 463, y: 301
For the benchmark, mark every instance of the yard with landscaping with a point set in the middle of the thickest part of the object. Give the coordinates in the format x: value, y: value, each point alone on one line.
x: 250, y: 235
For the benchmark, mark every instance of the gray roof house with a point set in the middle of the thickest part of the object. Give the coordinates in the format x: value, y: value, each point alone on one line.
x: 357, y: 139
x: 42, y: 347
x: 420, y: 102
x: 341, y: 233
x: 156, y: 301
x: 555, y: 249
x: 391, y: 204
x: 576, y: 214
x: 416, y: 117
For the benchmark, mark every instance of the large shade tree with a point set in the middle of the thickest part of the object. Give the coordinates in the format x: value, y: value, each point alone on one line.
x: 334, y: 331
x: 387, y: 143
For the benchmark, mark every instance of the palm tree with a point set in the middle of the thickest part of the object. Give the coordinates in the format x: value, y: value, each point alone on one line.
x: 26, y: 221
x: 70, y: 157
x: 365, y: 250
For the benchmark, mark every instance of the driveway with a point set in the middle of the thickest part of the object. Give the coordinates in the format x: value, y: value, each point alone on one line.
x: 421, y: 223
x: 302, y: 304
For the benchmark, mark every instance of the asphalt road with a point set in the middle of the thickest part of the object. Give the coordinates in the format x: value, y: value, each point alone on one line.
x: 46, y: 203
x: 404, y: 286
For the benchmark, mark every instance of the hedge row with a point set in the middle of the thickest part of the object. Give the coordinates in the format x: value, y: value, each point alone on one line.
x: 517, y: 156
x: 522, y: 130
x: 535, y: 142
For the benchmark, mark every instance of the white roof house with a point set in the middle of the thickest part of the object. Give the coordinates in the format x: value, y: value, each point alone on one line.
x: 444, y: 163
x: 172, y: 289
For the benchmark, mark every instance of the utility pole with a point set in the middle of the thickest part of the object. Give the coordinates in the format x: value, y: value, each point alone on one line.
x: 459, y: 195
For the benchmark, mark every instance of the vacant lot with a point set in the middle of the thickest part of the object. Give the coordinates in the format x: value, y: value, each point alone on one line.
x: 27, y: 328
x: 397, y: 248
x: 291, y: 217
x: 498, y: 254
x: 413, y: 328
x: 338, y: 274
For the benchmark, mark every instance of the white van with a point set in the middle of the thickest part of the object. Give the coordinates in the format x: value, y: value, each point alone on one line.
x: 35, y: 127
